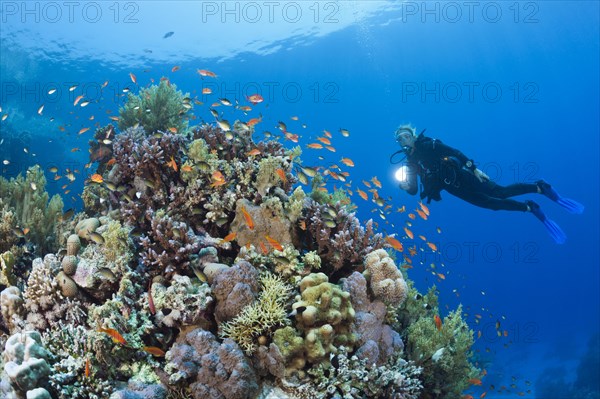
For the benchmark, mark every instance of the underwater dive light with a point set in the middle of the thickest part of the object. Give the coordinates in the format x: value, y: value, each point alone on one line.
x: 402, y: 174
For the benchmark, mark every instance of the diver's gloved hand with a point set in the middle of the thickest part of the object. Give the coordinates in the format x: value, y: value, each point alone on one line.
x: 404, y: 185
x: 480, y: 175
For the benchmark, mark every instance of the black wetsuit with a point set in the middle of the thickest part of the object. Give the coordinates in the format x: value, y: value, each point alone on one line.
x: 442, y: 167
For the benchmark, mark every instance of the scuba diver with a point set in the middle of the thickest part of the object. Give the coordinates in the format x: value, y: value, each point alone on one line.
x: 441, y: 167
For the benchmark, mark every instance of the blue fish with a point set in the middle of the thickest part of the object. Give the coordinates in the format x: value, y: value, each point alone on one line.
x: 168, y: 34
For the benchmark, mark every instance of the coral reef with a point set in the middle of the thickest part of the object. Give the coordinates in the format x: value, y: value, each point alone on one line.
x: 212, y: 369
x: 200, y: 269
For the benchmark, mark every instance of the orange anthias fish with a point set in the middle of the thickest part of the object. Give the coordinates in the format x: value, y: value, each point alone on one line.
x: 274, y: 243
x: 175, y: 68
x: 263, y: 248
x: 424, y: 208
x: 253, y: 152
x: 186, y: 168
x: 172, y: 130
x: 87, y: 367
x: 83, y: 130
x: 150, y: 299
x: 133, y: 78
x: 397, y: 245
x: 172, y: 164
x: 475, y: 381
x: 347, y: 162
x: 432, y: 246
x: 292, y: 137
x: 114, y: 334
x: 248, y: 218
x: 438, y: 322
x: 218, y: 179
x: 315, y: 146
x: 254, y: 121
x: 206, y: 72
x: 421, y: 214
x: 206, y: 90
x: 96, y: 178
x: 362, y: 194
x: 229, y: 237
x: 281, y: 175
x: 324, y: 140
x: 376, y: 182
x: 255, y: 98
x: 409, y: 233
x: 154, y: 351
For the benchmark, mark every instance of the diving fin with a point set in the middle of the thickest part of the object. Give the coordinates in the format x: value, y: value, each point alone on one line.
x: 567, y: 203
x: 553, y: 229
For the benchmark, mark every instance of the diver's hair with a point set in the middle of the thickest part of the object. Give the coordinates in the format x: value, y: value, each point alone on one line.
x: 406, y: 128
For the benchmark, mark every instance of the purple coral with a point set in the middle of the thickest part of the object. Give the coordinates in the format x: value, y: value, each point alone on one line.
x: 342, y: 247
x: 233, y: 289
x: 377, y: 340
x: 169, y: 245
x: 212, y: 369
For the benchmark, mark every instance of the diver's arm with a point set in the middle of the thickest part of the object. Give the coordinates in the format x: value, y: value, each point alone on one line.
x: 410, y: 184
x: 446, y: 151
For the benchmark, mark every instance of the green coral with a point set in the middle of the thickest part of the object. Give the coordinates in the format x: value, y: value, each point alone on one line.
x: 7, y: 263
x: 293, y: 207
x: 26, y: 197
x: 156, y: 108
x: 262, y: 316
x: 325, y: 314
x: 312, y: 260
x: 444, y: 354
x: 267, y: 176
x: 116, y: 243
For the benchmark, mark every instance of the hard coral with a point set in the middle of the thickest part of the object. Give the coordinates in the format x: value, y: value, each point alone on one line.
x: 234, y: 289
x: 377, y: 341
x: 338, y: 237
x: 258, y: 320
x: 385, y: 278
x: 212, y: 369
x: 169, y: 245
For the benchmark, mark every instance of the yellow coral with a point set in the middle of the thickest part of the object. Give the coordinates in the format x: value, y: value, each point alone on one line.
x: 386, y: 281
x: 258, y: 318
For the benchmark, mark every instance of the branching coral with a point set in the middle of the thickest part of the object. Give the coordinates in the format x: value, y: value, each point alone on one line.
x: 156, y: 108
x: 256, y: 321
x: 353, y: 377
x: 43, y: 300
x: 169, y: 245
x: 338, y: 237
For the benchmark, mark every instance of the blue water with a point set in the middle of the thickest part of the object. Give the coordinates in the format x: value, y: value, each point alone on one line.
x: 515, y: 87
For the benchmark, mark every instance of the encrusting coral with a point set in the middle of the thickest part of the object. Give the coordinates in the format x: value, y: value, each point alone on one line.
x: 385, y: 279
x: 211, y: 369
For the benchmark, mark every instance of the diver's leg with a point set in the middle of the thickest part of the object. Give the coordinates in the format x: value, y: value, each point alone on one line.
x: 498, y: 191
x: 485, y: 201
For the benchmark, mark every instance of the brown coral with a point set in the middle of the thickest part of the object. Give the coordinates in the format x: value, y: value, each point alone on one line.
x: 386, y: 281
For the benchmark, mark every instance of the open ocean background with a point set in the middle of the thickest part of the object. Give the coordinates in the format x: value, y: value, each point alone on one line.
x: 513, y: 85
